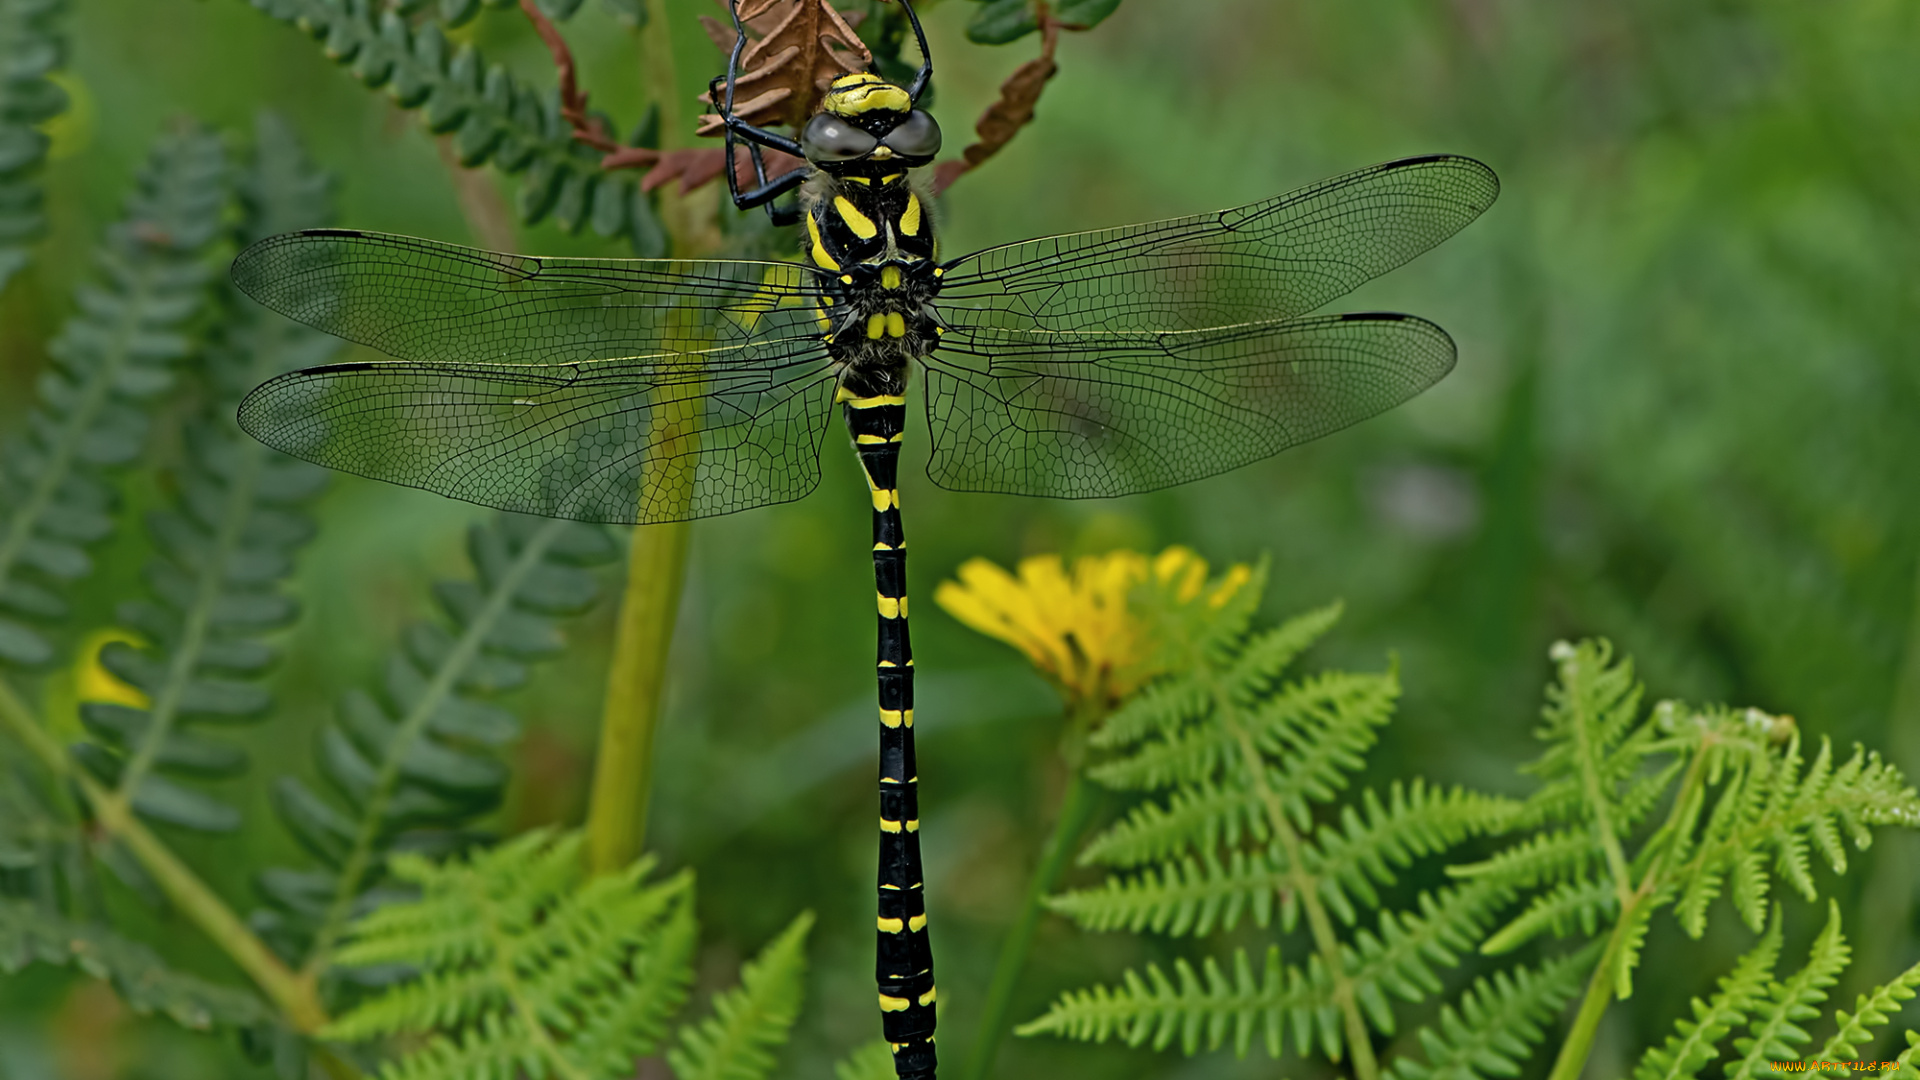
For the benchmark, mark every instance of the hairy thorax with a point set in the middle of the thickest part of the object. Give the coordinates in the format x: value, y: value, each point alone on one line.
x: 872, y: 231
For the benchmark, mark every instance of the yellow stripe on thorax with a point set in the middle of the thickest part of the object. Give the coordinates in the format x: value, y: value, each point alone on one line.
x: 820, y: 256
x: 862, y: 225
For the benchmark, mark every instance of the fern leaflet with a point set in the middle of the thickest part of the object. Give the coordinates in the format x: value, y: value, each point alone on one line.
x: 522, y: 967
x: 112, y: 359
x: 224, y: 547
x: 412, y: 760
x: 29, y: 50
x: 750, y: 1021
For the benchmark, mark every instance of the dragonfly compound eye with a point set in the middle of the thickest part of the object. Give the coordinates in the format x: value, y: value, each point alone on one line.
x: 829, y: 138
x: 918, y: 136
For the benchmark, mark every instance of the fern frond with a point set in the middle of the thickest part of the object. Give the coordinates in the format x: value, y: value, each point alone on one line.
x: 1320, y: 730
x: 1551, y: 856
x: 412, y: 762
x: 1870, y: 1011
x: 225, y: 545
x: 1775, y: 1034
x: 1200, y: 1009
x: 1194, y: 895
x: 1590, y: 730
x: 1173, y: 754
x: 1399, y: 955
x: 1265, y: 656
x: 874, y: 1061
x: 1911, y: 1055
x: 1499, y: 1022
x: 30, y: 49
x: 490, y: 115
x: 112, y: 359
x: 1773, y: 813
x: 1416, y: 820
x: 29, y: 934
x: 1197, y: 817
x: 523, y: 968
x: 748, y: 1023
x: 1583, y: 903
x: 1159, y: 708
x: 1696, y: 1041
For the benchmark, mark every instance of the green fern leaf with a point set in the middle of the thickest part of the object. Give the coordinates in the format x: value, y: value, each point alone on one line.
x: 28, y: 99
x: 1196, y: 895
x: 29, y: 934
x: 1414, y: 821
x: 1399, y: 955
x: 1589, y: 717
x: 1774, y: 1033
x: 1266, y: 656
x: 874, y: 1061
x: 112, y: 360
x: 1767, y: 809
x: 521, y: 967
x: 1870, y: 1011
x: 410, y: 762
x: 1198, y: 817
x: 1549, y: 856
x: 224, y: 547
x: 1498, y: 1023
x: 1199, y: 1009
x: 490, y: 115
x: 1582, y: 903
x: 1320, y: 731
x: 1695, y: 1041
x: 748, y: 1023
x: 1907, y: 1058
x: 1235, y: 763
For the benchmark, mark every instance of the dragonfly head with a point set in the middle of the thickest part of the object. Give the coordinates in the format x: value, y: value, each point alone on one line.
x: 865, y: 118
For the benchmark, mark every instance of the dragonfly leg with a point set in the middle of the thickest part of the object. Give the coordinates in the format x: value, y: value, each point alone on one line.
x: 764, y: 191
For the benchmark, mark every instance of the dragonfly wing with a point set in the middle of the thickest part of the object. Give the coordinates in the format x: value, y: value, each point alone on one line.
x: 1098, y: 415
x: 1276, y: 259
x: 644, y: 439
x: 422, y: 300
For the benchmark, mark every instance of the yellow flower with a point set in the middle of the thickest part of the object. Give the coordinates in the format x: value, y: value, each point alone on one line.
x: 1082, y: 628
x: 91, y: 679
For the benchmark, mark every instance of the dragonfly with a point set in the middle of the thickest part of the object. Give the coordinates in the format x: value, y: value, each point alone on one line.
x: 1088, y: 365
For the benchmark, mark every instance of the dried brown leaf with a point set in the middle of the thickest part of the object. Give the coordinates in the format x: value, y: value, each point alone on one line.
x: 1010, y: 112
x: 796, y: 46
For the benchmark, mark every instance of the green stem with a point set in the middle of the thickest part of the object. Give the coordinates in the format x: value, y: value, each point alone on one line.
x: 296, y: 997
x: 1671, y: 835
x: 623, y: 769
x: 656, y: 560
x: 1586, y: 1023
x: 1076, y: 809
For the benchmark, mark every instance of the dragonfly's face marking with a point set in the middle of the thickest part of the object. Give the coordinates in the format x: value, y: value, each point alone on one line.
x: 862, y: 93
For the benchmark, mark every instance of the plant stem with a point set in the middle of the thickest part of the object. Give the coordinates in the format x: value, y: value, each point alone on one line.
x: 656, y: 558
x: 1076, y: 809
x: 1586, y: 1023
x: 297, y: 998
x: 623, y: 768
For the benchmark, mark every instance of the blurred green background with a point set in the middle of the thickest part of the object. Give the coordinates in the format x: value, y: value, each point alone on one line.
x: 1686, y: 416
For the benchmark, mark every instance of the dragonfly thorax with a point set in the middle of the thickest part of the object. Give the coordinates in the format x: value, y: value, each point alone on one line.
x: 873, y: 239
